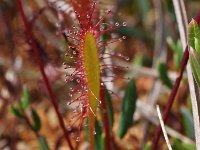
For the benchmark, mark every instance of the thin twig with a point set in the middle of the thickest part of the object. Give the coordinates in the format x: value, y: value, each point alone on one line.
x: 41, y: 67
x: 148, y: 112
x: 163, y: 128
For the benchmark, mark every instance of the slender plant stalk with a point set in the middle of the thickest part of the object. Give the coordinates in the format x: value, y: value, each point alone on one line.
x: 41, y: 67
x: 105, y: 118
x: 171, y: 97
x: 91, y: 130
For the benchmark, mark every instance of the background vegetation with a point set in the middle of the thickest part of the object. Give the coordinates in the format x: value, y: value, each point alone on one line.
x: 154, y: 50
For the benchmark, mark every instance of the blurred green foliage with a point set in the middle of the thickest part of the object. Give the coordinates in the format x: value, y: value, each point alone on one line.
x: 162, y: 69
x: 188, y: 123
x: 20, y: 111
x: 176, y: 48
x: 178, y: 145
x: 128, y: 109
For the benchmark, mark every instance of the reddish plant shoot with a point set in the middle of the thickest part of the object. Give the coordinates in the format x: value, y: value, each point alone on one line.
x: 87, y: 51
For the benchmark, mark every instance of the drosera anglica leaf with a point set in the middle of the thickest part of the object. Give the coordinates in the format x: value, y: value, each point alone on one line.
x: 128, y: 109
x: 92, y: 69
x: 87, y: 50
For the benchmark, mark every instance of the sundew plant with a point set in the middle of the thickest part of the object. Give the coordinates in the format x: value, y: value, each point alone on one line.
x: 87, y: 48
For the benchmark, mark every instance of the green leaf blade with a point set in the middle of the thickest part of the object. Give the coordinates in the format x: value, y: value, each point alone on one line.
x: 16, y: 112
x: 25, y: 101
x: 36, y: 120
x: 194, y: 35
x: 176, y: 47
x: 162, y: 69
x: 195, y: 65
x: 43, y: 145
x: 128, y: 109
x: 109, y: 107
x: 98, y: 137
x: 178, y: 145
x: 188, y: 123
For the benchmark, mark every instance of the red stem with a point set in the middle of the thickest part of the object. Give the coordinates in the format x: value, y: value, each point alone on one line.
x: 41, y: 67
x: 105, y: 118
x: 171, y: 97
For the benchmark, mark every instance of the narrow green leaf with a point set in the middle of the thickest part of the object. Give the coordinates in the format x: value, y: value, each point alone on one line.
x: 98, y: 136
x: 189, y: 146
x: 197, y: 44
x: 179, y: 54
x: 195, y: 65
x: 43, y: 145
x: 16, y: 112
x: 171, y: 44
x: 103, y: 140
x: 170, y: 8
x: 99, y: 143
x: 128, y: 109
x: 188, y: 123
x: 86, y: 129
x: 109, y: 107
x: 143, y: 8
x: 193, y: 33
x: 36, y: 120
x: 162, y: 69
x: 177, y: 51
x: 25, y: 99
x: 178, y: 145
